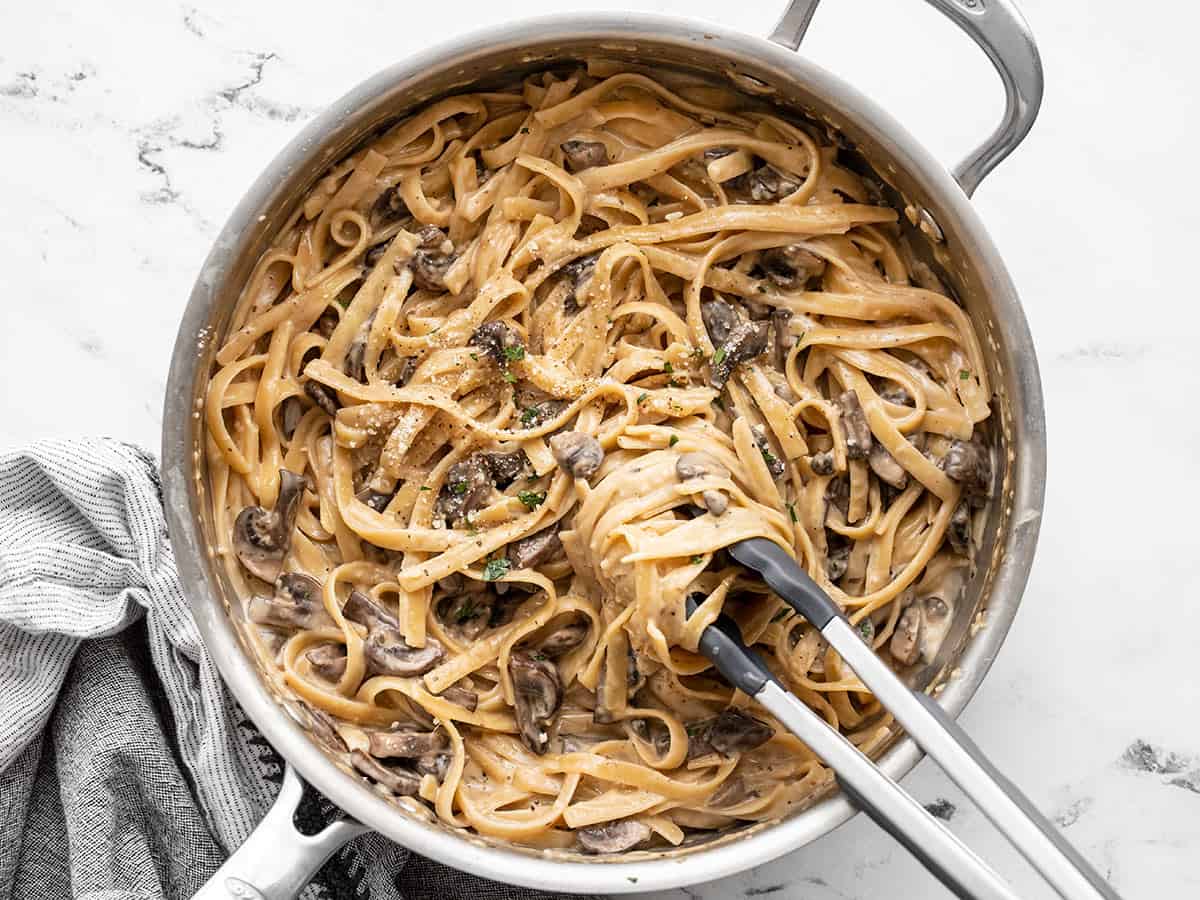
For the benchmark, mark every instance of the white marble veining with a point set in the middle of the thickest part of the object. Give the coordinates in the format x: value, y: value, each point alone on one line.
x: 129, y: 130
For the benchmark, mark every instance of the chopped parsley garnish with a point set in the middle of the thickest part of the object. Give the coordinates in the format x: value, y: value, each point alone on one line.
x: 668, y: 368
x: 514, y: 352
x: 697, y: 559
x: 719, y: 356
x: 642, y: 398
x: 466, y: 610
x: 538, y: 656
x: 510, y: 377
x: 458, y: 487
x: 673, y: 441
x: 426, y: 487
x: 867, y: 629
x: 496, y: 568
x: 767, y: 455
x: 781, y: 615
x: 964, y: 374
x: 524, y: 131
x: 528, y: 415
x: 719, y: 403
x: 475, y: 356
x: 532, y: 499
x: 697, y: 353
x: 792, y: 512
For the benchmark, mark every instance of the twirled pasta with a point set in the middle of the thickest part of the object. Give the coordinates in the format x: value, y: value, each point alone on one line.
x: 507, y: 383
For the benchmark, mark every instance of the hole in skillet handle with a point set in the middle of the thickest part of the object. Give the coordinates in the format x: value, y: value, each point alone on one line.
x: 722, y: 643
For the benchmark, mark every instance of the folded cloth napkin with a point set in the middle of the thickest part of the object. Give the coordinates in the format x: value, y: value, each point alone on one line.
x: 126, y: 769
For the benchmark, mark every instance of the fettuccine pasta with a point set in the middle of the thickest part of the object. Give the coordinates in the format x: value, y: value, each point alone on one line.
x: 503, y: 390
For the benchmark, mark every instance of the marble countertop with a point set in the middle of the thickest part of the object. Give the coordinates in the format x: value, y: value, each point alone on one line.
x: 129, y: 131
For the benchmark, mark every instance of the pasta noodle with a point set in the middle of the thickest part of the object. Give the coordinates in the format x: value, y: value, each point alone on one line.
x: 501, y: 393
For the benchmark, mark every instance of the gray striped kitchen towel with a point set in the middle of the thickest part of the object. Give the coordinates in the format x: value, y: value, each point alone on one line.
x: 126, y: 769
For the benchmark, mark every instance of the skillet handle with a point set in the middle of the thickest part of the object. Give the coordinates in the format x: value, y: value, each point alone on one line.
x: 277, y: 861
x: 1003, y: 34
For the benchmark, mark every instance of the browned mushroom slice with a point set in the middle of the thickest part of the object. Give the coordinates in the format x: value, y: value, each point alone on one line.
x: 407, y: 741
x: 577, y: 454
x: 261, y: 539
x: 782, y: 342
x: 498, y: 342
x: 968, y: 463
x: 837, y: 557
x: 884, y: 465
x: 746, y: 341
x: 461, y: 696
x: 538, y: 408
x: 906, y: 639
x: 792, y: 266
x: 390, y: 207
x: 654, y: 733
x: 538, y: 694
x: 324, y: 397
x: 435, y: 764
x: 468, y: 487
x: 365, y: 611
x: 431, y: 260
x: 469, y: 612
x: 735, y: 731
x: 959, y: 530
x: 565, y: 637
x: 353, y: 365
x: 767, y: 184
x: 400, y: 781
x: 377, y: 500
x: 732, y: 791
x: 296, y: 603
x: 613, y: 837
x: 821, y: 463
x: 328, y: 661
x: 775, y: 465
x: 579, y: 271
x: 894, y: 393
x: 324, y: 727
x: 291, y: 411
x: 716, y: 502
x: 388, y: 653
x: 854, y: 425
x: 580, y: 155
x: 719, y: 320
x: 507, y: 467
x: 539, y: 547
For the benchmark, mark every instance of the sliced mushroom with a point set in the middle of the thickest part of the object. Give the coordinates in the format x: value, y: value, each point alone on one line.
x: 697, y: 465
x: 461, y: 696
x: 580, y: 155
x: 959, y: 530
x: 537, y: 694
x: 837, y: 493
x: 906, y: 639
x: 353, y: 364
x: 766, y: 184
x: 613, y: 837
x: 653, y: 732
x: 837, y: 557
x: 716, y: 502
x: 431, y: 259
x: 435, y: 764
x: 735, y: 731
x: 783, y: 338
x: 731, y: 792
x: 407, y: 741
x: 368, y: 612
x: 854, y: 425
x: 539, y: 547
x: 390, y: 207
x: 324, y: 727
x: 470, y: 613
x: 746, y: 341
x: 792, y: 266
x: 261, y: 539
x: 775, y: 465
x: 717, y: 153
x: 400, y: 781
x: 507, y: 467
x: 296, y: 603
x: 498, y: 341
x: 388, y: 653
x: 719, y: 318
x: 291, y: 411
x: 578, y: 454
x: 884, y: 465
x: 969, y: 463
x: 328, y: 661
x: 377, y: 500
x: 468, y: 487
x: 893, y: 392
x: 565, y: 638
x: 325, y: 398
x: 821, y: 463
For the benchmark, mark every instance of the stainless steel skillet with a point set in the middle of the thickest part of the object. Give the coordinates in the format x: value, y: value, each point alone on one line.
x: 276, y: 860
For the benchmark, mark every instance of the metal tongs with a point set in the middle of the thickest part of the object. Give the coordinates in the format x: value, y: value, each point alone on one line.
x: 943, y: 854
